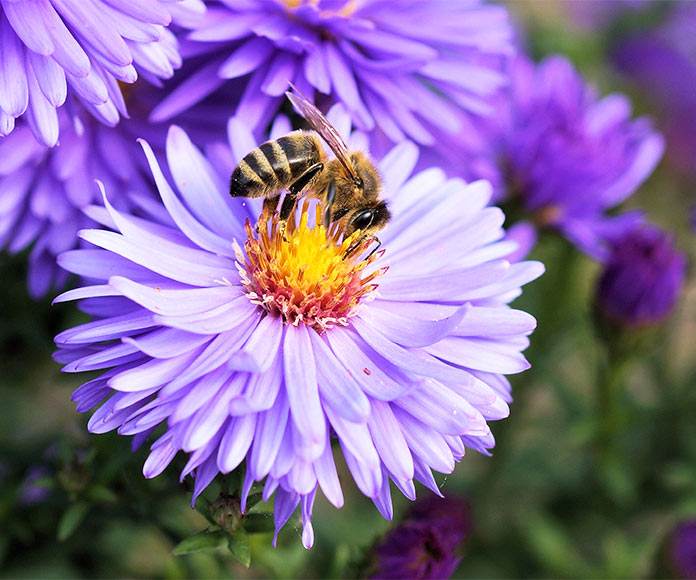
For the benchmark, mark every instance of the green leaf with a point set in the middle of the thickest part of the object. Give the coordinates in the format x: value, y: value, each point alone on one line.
x: 253, y: 499
x: 205, y: 540
x: 101, y: 494
x: 71, y: 519
x: 259, y: 523
x: 238, y: 544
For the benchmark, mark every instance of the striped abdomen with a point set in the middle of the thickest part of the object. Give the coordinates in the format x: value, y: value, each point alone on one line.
x: 275, y: 165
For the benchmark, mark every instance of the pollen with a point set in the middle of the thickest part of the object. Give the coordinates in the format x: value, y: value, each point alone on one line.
x: 307, y: 275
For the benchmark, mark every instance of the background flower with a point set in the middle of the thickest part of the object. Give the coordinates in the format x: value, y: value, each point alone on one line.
x: 47, y: 46
x: 425, y: 544
x: 642, y: 279
x: 44, y: 191
x: 406, y: 380
x: 411, y: 73
x: 567, y: 156
x: 661, y: 60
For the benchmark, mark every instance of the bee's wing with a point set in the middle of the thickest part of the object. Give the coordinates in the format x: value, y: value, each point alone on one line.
x: 321, y: 125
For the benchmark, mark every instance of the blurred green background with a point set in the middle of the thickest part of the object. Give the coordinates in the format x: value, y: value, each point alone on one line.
x: 547, y: 504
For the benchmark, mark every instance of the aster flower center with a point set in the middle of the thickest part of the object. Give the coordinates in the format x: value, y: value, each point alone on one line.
x: 304, y: 274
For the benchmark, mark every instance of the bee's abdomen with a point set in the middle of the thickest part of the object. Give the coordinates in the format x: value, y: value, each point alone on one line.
x: 274, y: 166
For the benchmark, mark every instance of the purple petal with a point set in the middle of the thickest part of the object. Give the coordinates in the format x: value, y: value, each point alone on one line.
x: 325, y: 470
x: 337, y: 388
x: 109, y: 329
x: 303, y: 392
x: 412, y: 361
x: 161, y: 455
x: 151, y: 374
x: 174, y: 302
x: 370, y: 376
x: 235, y: 442
x: 50, y: 77
x: 194, y: 89
x: 367, y: 478
x: 389, y: 441
x: 14, y: 92
x: 247, y: 58
x: 269, y: 433
x: 86, y: 18
x: 409, y: 331
x: 260, y: 351
x: 425, y: 442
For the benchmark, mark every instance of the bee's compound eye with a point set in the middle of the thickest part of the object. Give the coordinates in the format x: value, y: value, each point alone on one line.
x: 363, y: 220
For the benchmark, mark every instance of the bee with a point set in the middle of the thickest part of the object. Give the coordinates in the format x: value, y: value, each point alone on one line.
x: 350, y: 184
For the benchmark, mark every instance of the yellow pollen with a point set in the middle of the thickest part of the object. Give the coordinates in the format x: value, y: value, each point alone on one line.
x: 308, y: 275
x: 348, y: 9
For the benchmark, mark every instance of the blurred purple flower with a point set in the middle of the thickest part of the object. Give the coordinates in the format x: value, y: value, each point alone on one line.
x: 404, y: 70
x: 568, y: 156
x: 44, y: 190
x: 682, y: 550
x: 31, y: 492
x: 90, y: 46
x: 423, y: 546
x: 244, y: 356
x: 662, y: 62
x: 642, y: 278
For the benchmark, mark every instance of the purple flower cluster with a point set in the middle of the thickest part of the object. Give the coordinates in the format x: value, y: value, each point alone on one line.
x: 568, y: 156
x: 88, y: 47
x: 403, y: 73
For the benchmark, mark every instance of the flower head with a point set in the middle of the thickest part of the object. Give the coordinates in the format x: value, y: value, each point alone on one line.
x: 662, y: 61
x: 642, y: 278
x: 45, y: 190
x: 424, y: 545
x: 403, y: 73
x: 568, y: 156
x: 206, y: 325
x: 52, y: 48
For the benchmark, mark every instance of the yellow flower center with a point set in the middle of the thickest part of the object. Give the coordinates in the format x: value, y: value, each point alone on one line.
x: 305, y: 274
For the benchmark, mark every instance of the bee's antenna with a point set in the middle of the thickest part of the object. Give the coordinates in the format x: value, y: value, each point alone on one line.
x: 330, y: 196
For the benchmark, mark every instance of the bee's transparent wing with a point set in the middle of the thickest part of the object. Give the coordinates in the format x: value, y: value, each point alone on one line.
x: 321, y: 125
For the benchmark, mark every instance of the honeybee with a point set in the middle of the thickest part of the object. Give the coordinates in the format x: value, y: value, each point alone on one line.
x: 350, y: 184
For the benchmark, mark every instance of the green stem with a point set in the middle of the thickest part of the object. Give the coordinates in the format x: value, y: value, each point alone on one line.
x: 611, y: 414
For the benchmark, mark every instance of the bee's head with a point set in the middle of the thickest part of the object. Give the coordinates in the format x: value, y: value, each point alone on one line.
x: 368, y: 219
x: 368, y: 183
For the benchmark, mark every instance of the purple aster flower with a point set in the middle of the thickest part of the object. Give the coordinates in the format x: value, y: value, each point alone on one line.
x: 568, y: 156
x: 662, y: 61
x: 31, y: 492
x: 90, y: 46
x: 642, y: 278
x: 263, y: 346
x: 404, y: 71
x: 44, y: 190
x: 682, y: 550
x: 423, y: 546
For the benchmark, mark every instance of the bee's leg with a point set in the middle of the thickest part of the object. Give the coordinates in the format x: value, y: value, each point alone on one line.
x: 360, y: 241
x: 330, y: 196
x: 379, y: 243
x: 294, y: 190
x: 270, y: 204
